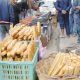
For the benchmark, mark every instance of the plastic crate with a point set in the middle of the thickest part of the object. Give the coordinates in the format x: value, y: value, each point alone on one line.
x: 19, y: 70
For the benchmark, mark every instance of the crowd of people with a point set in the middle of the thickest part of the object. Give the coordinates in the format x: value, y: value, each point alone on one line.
x: 9, y: 12
x: 69, y: 17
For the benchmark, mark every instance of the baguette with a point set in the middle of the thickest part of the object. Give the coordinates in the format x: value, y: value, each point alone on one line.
x: 7, y: 43
x: 22, y: 31
x: 30, y: 51
x: 39, y: 28
x: 16, y: 36
x: 10, y: 46
x: 36, y: 30
x: 21, y: 36
x: 54, y: 64
x: 34, y: 33
x: 12, y: 29
x: 26, y: 31
x: 30, y: 37
x: 25, y: 53
x: 22, y: 48
x: 3, y: 53
x: 77, y: 69
x: 33, y: 46
x: 59, y: 65
x: 16, y: 30
x: 68, y: 68
x: 61, y: 73
x: 17, y: 46
x: 4, y: 59
x: 0, y: 58
x: 9, y: 54
x: 24, y: 37
x: 1, y: 45
x: 30, y: 54
x: 30, y: 32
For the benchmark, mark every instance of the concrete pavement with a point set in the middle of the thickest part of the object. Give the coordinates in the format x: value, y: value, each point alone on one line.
x: 56, y: 43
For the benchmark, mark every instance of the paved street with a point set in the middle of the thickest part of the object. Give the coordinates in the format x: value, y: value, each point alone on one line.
x: 56, y: 43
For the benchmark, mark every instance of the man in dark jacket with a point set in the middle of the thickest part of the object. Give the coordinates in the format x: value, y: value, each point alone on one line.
x: 6, y: 14
x: 6, y: 11
x: 63, y: 7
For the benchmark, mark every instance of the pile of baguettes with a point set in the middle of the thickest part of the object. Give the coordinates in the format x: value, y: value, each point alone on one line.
x: 22, y: 32
x: 16, y: 47
x: 14, y: 50
x: 65, y: 64
x: 27, y: 20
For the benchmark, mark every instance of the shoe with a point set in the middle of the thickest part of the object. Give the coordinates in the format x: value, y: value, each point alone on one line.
x: 68, y: 36
x: 62, y: 36
x: 78, y: 42
x: 74, y: 35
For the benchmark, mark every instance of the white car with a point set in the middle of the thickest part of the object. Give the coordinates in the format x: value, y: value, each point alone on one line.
x: 48, y: 6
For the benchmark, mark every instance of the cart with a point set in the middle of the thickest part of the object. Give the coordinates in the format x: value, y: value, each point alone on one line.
x: 45, y: 20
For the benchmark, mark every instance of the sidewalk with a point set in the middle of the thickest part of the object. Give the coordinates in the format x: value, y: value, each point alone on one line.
x: 56, y: 43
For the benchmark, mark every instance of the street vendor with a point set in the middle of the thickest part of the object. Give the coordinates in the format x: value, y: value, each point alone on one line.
x: 21, y: 6
x: 63, y: 7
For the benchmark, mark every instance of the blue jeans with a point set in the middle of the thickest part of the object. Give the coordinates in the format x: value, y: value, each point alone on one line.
x: 76, y: 19
x: 79, y: 34
x: 77, y: 25
x: 3, y: 30
x: 78, y: 31
x: 71, y: 22
x: 64, y: 22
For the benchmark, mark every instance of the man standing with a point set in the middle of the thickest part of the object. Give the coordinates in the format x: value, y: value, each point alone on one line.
x: 6, y: 14
x: 76, y: 7
x: 16, y: 9
x: 63, y: 7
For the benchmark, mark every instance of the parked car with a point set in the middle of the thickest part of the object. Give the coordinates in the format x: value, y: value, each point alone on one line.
x: 47, y: 6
